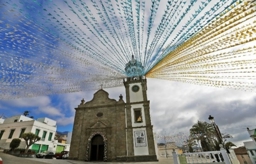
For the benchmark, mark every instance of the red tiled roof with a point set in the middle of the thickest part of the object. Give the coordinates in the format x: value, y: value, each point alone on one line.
x: 240, y: 150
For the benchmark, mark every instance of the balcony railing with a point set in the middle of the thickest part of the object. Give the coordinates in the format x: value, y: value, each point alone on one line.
x: 203, y: 157
x: 212, y: 157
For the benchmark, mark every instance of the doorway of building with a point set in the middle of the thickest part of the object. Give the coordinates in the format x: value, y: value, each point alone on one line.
x: 97, y: 148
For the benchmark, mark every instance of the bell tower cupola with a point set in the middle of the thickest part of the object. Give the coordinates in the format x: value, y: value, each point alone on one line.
x: 134, y: 68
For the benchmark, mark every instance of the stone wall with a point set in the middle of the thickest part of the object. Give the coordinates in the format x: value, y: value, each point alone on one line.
x: 102, y: 116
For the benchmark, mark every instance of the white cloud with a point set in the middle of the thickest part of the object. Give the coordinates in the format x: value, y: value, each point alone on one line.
x: 176, y: 106
x: 50, y: 111
x: 62, y: 121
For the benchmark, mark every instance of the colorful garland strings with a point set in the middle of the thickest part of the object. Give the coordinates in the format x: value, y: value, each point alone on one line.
x: 52, y: 47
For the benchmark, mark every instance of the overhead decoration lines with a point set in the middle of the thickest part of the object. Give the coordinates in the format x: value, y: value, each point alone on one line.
x: 51, y: 47
x: 221, y: 55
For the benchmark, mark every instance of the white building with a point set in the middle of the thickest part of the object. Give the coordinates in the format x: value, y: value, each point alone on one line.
x: 45, y: 128
x: 251, y: 145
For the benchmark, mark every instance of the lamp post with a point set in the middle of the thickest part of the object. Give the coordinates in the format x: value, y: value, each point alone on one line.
x: 217, y: 130
x: 165, y: 147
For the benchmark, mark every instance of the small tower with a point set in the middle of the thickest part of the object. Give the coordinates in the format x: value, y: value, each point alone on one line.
x: 139, y: 127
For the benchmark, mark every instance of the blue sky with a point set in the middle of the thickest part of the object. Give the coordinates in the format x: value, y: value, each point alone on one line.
x: 54, y: 53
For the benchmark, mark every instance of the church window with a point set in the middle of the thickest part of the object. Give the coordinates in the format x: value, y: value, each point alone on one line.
x: 137, y: 115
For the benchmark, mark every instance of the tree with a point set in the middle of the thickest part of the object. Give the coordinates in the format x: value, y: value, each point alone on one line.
x: 216, y: 144
x: 205, y: 133
x: 26, y: 113
x: 228, y: 145
x: 190, y: 149
x: 190, y: 143
x: 15, y: 143
x: 30, y: 139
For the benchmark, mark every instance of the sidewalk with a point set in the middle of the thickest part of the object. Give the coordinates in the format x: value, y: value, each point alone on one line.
x: 10, y: 159
x: 60, y: 161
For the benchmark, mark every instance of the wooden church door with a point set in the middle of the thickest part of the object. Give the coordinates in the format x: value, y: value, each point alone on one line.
x: 97, y: 148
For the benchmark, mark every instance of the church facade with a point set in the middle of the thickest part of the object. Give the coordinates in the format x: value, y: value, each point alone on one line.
x: 114, y: 130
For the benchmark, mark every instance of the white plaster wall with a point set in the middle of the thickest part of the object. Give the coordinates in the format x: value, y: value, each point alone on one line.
x: 44, y: 127
x: 19, y: 118
x: 47, y: 121
x: 69, y: 137
x: 140, y: 150
x: 7, y: 127
x: 143, y: 123
x: 136, y: 96
x: 155, y: 143
x: 251, y: 131
x: 251, y: 145
x: 67, y: 147
x: 1, y: 120
x: 24, y: 118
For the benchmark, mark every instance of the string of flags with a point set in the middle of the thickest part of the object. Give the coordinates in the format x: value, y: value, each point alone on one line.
x: 51, y: 47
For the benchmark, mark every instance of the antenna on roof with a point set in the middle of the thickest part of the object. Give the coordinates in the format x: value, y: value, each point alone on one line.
x: 2, y: 116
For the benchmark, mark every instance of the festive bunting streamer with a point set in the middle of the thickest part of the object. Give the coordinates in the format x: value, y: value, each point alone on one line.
x: 222, y: 55
x: 52, y: 47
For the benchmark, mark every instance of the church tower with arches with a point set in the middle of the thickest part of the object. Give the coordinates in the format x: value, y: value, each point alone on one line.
x: 114, y: 130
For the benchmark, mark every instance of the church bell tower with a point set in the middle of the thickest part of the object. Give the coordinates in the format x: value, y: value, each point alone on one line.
x: 139, y: 127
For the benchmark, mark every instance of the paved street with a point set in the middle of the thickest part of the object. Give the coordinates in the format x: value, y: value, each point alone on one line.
x: 9, y: 159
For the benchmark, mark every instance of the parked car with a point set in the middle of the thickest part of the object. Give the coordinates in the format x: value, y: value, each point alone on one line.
x: 49, y: 155
x: 62, y: 155
x: 40, y: 155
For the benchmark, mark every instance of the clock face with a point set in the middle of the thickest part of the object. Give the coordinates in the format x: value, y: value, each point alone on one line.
x: 135, y: 88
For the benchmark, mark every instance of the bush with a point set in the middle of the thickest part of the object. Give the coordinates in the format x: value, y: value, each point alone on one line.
x: 15, y: 143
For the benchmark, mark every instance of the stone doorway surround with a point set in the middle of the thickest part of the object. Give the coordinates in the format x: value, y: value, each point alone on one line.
x: 97, y: 148
x: 88, y: 149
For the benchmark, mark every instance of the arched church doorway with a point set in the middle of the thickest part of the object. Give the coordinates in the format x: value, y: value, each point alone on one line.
x: 97, y: 148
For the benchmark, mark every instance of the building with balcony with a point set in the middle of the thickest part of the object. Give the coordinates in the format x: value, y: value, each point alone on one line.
x: 251, y: 145
x: 45, y: 128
